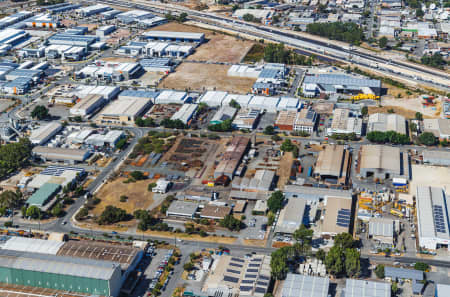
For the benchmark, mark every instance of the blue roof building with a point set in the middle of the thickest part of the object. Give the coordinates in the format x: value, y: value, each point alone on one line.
x: 416, y: 277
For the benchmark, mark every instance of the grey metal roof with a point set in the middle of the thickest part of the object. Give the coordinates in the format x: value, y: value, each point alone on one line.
x: 140, y: 94
x: 78, y: 267
x: 363, y: 288
x: 341, y: 79
x: 402, y: 273
x: 381, y: 227
x: 298, y: 285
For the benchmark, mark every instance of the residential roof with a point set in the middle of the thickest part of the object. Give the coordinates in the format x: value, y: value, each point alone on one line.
x: 364, y: 288
x: 58, y: 265
x: 40, y: 197
x: 298, y: 285
x: 291, y: 216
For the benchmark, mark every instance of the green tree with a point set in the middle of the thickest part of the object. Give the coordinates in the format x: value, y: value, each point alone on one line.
x: 334, y: 262
x: 344, y: 240
x: 421, y: 266
x: 151, y: 186
x: 40, y: 112
x: 34, y: 212
x: 303, y: 236
x: 364, y: 110
x: 57, y: 210
x: 413, y: 127
x: 379, y: 271
x: 320, y: 254
x: 225, y: 126
x: 269, y: 130
x: 137, y: 175
x: 188, y: 266
x: 276, y: 137
x: 112, y: 214
x: 419, y: 116
x: 419, y: 13
x: 14, y: 156
x: 231, y: 223
x: 348, y: 31
x: 233, y: 103
x: 352, y: 262
x: 147, y: 122
x: 382, y: 42
x: 279, y: 263
x: 427, y: 138
x: 10, y: 199
x: 394, y: 288
x: 182, y: 17
x: 275, y: 201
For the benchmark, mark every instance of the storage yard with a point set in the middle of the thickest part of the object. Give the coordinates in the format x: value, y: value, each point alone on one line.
x: 200, y: 77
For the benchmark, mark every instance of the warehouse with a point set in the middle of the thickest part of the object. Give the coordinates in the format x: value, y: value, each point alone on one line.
x: 432, y: 218
x: 285, y: 120
x: 382, y: 230
x: 133, y: 16
x: 60, y: 273
x: 365, y: 288
x: 42, y: 21
x: 235, y: 276
x: 289, y: 103
x: 224, y: 113
x: 248, y: 71
x: 337, y: 216
x: 396, y: 274
x: 182, y: 209
x: 57, y: 154
x: 75, y: 53
x: 14, y: 18
x: 43, y: 134
x: 163, y: 49
x: 291, y: 217
x: 442, y: 290
x: 123, y: 111
x: 435, y: 157
x: 109, y: 14
x: 32, y: 52
x: 439, y: 127
x: 162, y: 186
x: 262, y: 181
x: 333, y: 164
x: 108, y: 92
x: 340, y: 83
x: 264, y: 103
x: 138, y: 94
x: 383, y: 122
x: 111, y: 71
x: 185, y: 113
x: 172, y: 97
x: 60, y: 175
x: 314, y: 193
x: 12, y: 36
x: 109, y: 139
x: 383, y: 162
x: 174, y: 36
x: 344, y: 122
x: 214, y: 98
x: 56, y: 50
x: 246, y: 118
x: 306, y: 121
x: 157, y: 65
x: 42, y: 196
x: 35, y: 75
x: 215, y: 212
x: 73, y: 40
x: 92, y: 10
x: 298, y: 285
x: 18, y: 86
x: 88, y: 105
x: 232, y: 157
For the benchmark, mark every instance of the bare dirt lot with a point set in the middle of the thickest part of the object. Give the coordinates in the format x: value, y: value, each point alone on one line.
x: 218, y: 48
x: 138, y: 195
x: 201, y: 77
x: 413, y: 104
x: 5, y: 104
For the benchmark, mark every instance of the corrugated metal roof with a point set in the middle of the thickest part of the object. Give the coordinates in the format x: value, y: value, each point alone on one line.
x: 402, y: 273
x: 381, y: 227
x: 341, y: 79
x: 32, y: 245
x: 363, y: 288
x: 43, y: 194
x: 78, y: 267
x: 298, y: 285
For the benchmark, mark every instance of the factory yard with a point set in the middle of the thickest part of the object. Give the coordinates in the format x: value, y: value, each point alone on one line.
x: 411, y: 106
x: 138, y: 195
x: 201, y: 77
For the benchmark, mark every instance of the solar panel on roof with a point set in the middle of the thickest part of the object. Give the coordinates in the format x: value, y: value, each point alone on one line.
x: 255, y: 260
x: 235, y: 264
x: 250, y: 276
x: 252, y: 270
x: 247, y: 281
x: 238, y: 260
x: 262, y: 283
x: 264, y: 277
x: 230, y: 279
x: 245, y: 288
x: 233, y: 271
x: 260, y: 290
x: 439, y: 223
x: 254, y: 265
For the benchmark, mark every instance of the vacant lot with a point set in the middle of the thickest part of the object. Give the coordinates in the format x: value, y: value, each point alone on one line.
x: 201, y: 77
x: 138, y: 195
x: 407, y: 113
x: 5, y: 104
x: 218, y: 48
x: 414, y: 104
x: 284, y: 170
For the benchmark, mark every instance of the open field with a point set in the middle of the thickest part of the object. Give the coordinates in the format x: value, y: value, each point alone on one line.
x: 255, y: 54
x: 414, y: 104
x: 201, y: 77
x: 218, y: 47
x: 138, y: 195
x: 407, y: 113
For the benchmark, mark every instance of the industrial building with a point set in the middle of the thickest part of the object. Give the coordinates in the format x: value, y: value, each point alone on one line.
x: 109, y: 139
x: 305, y: 121
x: 285, y: 120
x: 442, y: 290
x: 72, y: 40
x: 224, y: 113
x: 318, y: 83
x: 123, y: 111
x: 382, y: 230
x: 138, y: 94
x: 10, y: 37
x: 14, y: 18
x: 111, y: 71
x: 182, y: 209
x: 232, y: 157
x: 235, y: 276
x: 396, y: 274
x: 42, y: 20
x: 365, y: 288
x: 314, y: 193
x: 432, y: 218
x: 132, y: 16
x: 162, y: 186
x: 42, y: 196
x: 298, y: 285
x: 44, y: 133
x: 108, y: 92
x: 215, y: 212
x: 383, y: 162
x: 262, y: 181
x: 61, y: 175
x: 333, y: 164
x: 58, y: 154
x: 92, y: 10
x: 88, y: 105
x: 174, y: 36
x: 337, y: 216
x: 383, y: 122
x: 157, y: 64
x: 291, y: 216
x: 440, y: 158
x: 344, y: 122
x: 172, y: 97
x: 246, y: 118
x: 439, y: 127
x: 185, y: 113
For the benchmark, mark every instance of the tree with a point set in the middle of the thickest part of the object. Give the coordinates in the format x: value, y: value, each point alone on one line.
x: 419, y: 116
x: 57, y: 210
x: 421, y: 266
x: 344, y: 240
x: 10, y: 199
x: 320, y: 254
x: 182, y: 17
x: 269, y: 130
x: 275, y: 201
x: 303, y: 236
x: 137, y: 175
x: 382, y: 42
x: 40, y: 112
x: 276, y: 137
x: 334, y: 261
x: 394, y: 288
x: 364, y: 110
x: 413, y: 127
x: 427, y: 138
x: 14, y: 155
x: 188, y: 266
x: 379, y: 271
x: 287, y: 146
x: 34, y: 212
x: 225, y: 126
x: 348, y: 31
x: 231, y: 223
x: 419, y: 13
x: 112, y: 214
x: 233, y: 103
x: 151, y: 186
x: 173, y: 124
x: 352, y: 262
x: 123, y: 198
x: 147, y: 122
x: 278, y: 263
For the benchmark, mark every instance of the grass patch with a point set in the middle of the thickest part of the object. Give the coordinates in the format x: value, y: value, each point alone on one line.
x: 255, y: 54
